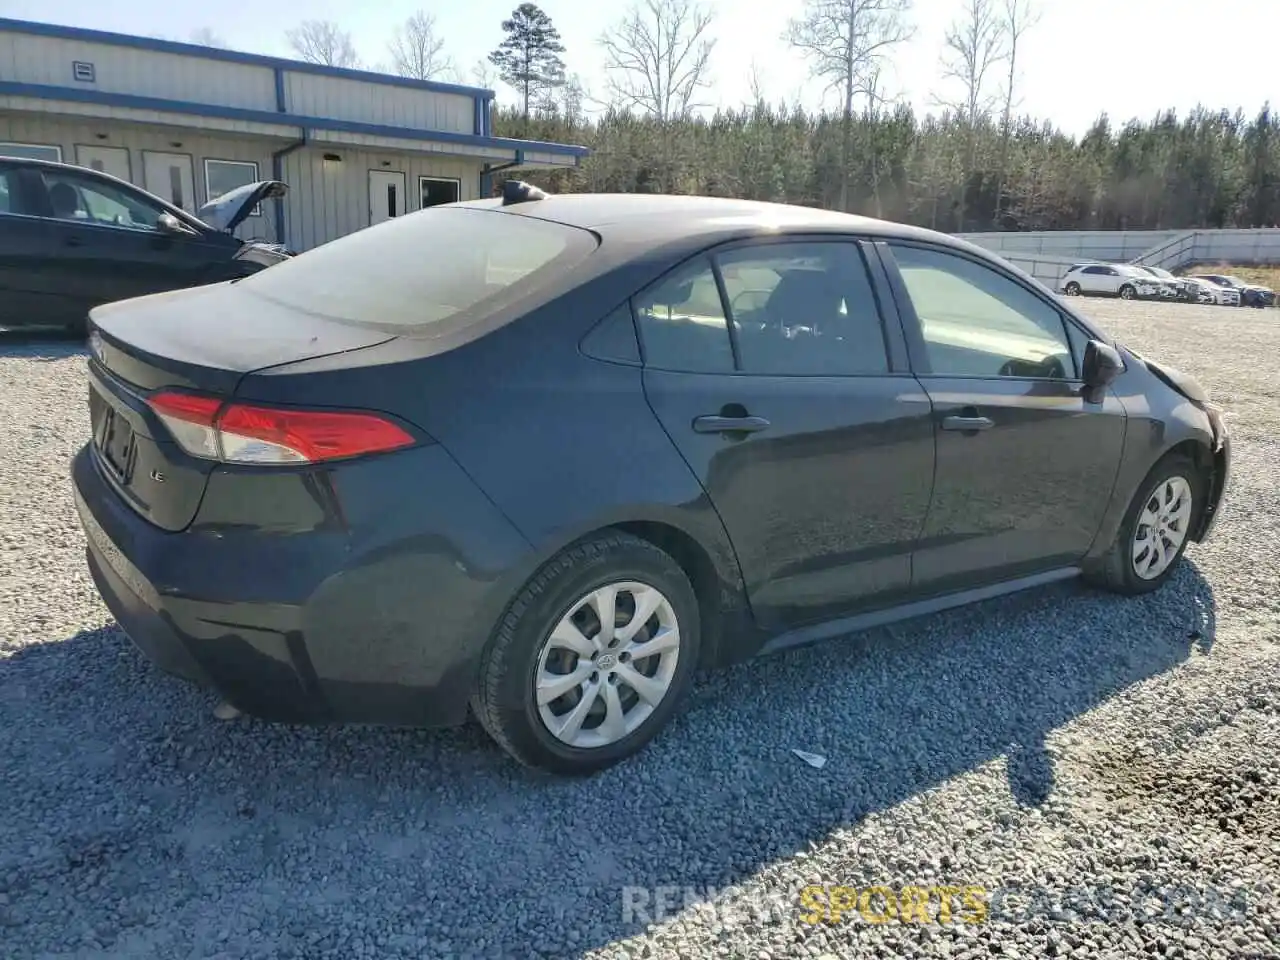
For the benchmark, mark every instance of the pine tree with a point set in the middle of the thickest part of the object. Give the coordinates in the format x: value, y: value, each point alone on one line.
x: 529, y: 58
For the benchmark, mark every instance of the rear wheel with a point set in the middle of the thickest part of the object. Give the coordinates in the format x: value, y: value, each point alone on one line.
x: 1128, y: 293
x: 1156, y: 529
x: 592, y: 658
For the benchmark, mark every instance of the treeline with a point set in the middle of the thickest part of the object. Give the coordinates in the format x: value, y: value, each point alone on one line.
x: 1208, y: 169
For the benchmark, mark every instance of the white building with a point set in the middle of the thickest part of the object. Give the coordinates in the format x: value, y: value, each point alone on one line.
x: 188, y: 123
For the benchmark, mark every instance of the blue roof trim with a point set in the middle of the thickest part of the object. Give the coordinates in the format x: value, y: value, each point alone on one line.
x: 232, y: 56
x: 80, y: 95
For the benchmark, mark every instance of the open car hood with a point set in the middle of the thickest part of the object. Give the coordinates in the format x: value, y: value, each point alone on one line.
x: 229, y: 210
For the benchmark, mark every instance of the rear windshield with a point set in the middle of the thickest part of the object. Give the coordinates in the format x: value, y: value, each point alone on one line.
x: 424, y: 268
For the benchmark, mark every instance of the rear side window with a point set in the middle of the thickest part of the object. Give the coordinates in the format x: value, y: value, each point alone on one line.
x: 682, y: 323
x: 425, y: 269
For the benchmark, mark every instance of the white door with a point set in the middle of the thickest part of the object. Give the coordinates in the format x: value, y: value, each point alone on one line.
x: 112, y: 160
x: 386, y: 195
x: 169, y: 176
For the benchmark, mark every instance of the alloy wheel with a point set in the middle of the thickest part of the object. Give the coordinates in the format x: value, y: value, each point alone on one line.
x: 607, y: 664
x: 1161, y: 528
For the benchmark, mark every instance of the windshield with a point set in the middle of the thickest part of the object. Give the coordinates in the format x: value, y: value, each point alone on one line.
x: 424, y: 268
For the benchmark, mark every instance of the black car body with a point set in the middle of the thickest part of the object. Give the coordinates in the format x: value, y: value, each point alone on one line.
x: 72, y: 238
x: 351, y: 487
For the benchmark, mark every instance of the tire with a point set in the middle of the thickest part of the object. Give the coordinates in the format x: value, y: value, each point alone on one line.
x: 1118, y: 569
x: 1128, y: 293
x: 523, y: 651
x: 1072, y: 289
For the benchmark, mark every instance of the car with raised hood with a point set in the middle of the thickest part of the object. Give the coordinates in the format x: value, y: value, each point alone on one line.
x: 542, y: 457
x: 72, y: 238
x: 1250, y: 294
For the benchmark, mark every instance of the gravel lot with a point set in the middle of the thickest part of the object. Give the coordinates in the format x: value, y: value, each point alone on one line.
x: 1095, y: 749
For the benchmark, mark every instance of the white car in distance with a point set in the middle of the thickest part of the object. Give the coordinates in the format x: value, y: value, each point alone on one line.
x: 1112, y: 280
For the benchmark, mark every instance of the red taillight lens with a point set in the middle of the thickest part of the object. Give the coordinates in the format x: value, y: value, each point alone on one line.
x: 244, y: 433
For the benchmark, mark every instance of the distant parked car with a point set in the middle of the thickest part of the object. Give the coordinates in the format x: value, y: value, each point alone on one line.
x: 1111, y: 280
x: 1210, y: 293
x: 1180, y: 288
x: 1227, y: 295
x: 542, y: 458
x: 72, y: 238
x: 1251, y: 294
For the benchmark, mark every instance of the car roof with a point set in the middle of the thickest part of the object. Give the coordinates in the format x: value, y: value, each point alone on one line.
x: 656, y: 219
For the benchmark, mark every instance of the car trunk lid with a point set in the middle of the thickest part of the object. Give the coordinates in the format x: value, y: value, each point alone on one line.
x: 205, y: 339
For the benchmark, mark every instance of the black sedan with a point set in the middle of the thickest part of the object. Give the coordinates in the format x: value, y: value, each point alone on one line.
x: 542, y: 457
x: 73, y: 238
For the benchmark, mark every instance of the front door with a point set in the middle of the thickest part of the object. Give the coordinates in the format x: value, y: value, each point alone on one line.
x: 170, y: 177
x: 110, y: 246
x: 1025, y: 463
x: 814, y: 449
x: 386, y: 195
x: 112, y: 160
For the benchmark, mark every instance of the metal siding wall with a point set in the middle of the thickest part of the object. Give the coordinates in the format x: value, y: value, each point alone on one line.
x: 341, y: 99
x: 327, y: 203
x: 135, y: 139
x: 1167, y: 248
x: 46, y: 60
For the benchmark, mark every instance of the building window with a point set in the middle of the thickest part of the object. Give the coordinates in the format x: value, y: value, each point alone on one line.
x: 31, y: 151
x: 223, y: 176
x: 438, y: 190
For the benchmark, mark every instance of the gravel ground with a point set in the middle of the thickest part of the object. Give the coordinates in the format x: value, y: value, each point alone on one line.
x: 1107, y: 771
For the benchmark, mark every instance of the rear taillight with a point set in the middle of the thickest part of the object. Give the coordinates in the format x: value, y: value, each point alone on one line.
x: 244, y: 433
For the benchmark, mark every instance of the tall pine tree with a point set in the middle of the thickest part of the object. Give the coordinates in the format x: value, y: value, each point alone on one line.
x: 529, y: 58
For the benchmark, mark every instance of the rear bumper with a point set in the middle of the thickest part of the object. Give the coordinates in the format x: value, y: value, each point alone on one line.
x: 311, y: 627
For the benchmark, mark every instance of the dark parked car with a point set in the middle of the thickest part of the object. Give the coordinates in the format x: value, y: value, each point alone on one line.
x: 1251, y: 294
x: 546, y: 456
x: 72, y: 238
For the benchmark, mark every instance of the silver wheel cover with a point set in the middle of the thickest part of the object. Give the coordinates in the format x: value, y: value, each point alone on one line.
x: 607, y: 664
x: 1162, y: 527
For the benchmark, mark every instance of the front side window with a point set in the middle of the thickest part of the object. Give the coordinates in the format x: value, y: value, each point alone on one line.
x: 682, y: 323
x: 977, y: 322
x: 803, y: 309
x: 223, y: 176
x: 88, y: 200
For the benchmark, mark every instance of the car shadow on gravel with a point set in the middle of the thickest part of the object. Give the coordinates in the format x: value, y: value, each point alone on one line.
x: 136, y: 822
x: 40, y: 346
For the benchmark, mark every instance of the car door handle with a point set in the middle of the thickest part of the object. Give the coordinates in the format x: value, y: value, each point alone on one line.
x: 968, y: 424
x: 718, y: 424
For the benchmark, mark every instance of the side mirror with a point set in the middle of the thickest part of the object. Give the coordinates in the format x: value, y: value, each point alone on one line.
x: 1102, y: 364
x: 168, y: 223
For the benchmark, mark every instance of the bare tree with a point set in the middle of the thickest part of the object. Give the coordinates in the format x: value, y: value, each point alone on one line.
x: 206, y: 37
x: 657, y: 56
x: 323, y: 42
x: 417, y: 51
x: 848, y: 43
x: 972, y: 48
x: 484, y: 74
x: 1019, y: 16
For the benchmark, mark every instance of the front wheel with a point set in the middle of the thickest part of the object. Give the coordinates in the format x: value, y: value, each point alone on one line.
x: 592, y: 658
x: 1156, y: 529
x: 1073, y: 289
x: 1128, y: 293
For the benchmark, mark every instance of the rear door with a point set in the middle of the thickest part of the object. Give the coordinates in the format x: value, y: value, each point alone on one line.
x: 30, y: 285
x: 1100, y: 279
x: 1025, y: 463
x: 811, y: 438
x: 110, y: 245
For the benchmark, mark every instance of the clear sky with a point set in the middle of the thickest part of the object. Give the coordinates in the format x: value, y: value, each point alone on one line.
x: 1127, y: 57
